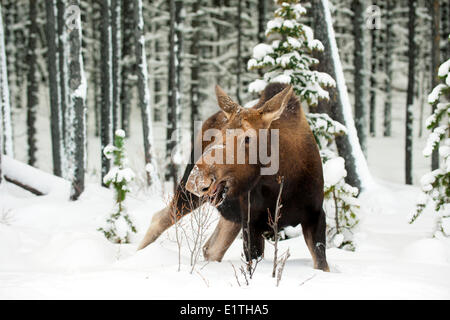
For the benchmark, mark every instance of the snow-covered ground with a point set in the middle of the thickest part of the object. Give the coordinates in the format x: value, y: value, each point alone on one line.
x: 49, y: 248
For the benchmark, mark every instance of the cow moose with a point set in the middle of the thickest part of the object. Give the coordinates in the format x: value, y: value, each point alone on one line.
x: 239, y: 190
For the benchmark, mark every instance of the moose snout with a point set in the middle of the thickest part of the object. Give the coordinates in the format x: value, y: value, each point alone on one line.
x: 199, y: 183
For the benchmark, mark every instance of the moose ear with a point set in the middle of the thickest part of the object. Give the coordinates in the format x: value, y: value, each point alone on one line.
x: 273, y: 108
x: 227, y: 105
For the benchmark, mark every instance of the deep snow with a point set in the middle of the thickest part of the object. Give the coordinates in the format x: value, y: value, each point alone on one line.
x: 49, y: 248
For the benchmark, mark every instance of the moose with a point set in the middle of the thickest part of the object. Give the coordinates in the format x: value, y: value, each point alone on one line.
x: 243, y: 196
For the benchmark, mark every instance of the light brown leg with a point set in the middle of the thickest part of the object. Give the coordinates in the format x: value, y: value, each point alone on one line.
x: 161, y: 221
x: 221, y: 239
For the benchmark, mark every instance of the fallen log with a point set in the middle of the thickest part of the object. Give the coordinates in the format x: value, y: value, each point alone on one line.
x: 36, y: 181
x: 23, y: 186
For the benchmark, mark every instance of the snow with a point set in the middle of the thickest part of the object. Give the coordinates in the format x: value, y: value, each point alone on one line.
x: 261, y: 50
x: 334, y: 171
x: 50, y: 249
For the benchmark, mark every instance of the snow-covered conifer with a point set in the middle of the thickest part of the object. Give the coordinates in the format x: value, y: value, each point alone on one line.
x: 119, y: 225
x: 435, y: 185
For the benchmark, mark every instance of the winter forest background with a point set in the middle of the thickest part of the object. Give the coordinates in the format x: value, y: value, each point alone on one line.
x: 86, y: 83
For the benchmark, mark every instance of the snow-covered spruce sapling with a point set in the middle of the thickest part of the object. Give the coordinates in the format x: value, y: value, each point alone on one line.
x: 119, y: 224
x: 289, y: 59
x: 435, y: 185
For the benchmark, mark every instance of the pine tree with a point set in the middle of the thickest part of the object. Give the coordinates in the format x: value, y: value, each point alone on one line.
x: 436, y: 184
x: 119, y: 226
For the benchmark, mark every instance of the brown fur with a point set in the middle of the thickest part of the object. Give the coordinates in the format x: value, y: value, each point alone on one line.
x: 300, y: 165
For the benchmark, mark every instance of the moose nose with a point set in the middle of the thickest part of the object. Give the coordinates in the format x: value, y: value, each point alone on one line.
x: 199, y: 183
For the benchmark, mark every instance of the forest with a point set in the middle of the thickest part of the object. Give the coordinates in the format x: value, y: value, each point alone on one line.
x: 101, y: 102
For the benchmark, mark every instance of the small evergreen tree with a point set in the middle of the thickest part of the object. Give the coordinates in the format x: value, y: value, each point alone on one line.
x: 288, y: 59
x: 119, y: 224
x: 435, y: 185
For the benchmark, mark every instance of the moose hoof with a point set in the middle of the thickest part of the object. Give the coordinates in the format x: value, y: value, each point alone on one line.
x: 210, y: 255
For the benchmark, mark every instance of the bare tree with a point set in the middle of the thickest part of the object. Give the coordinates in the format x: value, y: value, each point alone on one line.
x: 32, y: 82
x: 76, y: 107
x: 56, y: 116
x: 106, y: 133
x: 410, y: 95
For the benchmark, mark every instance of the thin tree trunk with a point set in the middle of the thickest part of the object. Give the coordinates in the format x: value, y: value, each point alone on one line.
x: 144, y: 97
x: 32, y: 84
x: 360, y: 73
x: 388, y: 66
x: 106, y: 133
x: 116, y: 9
x: 77, y: 107
x: 127, y: 64
x: 373, y: 82
x: 435, y: 63
x: 5, y: 104
x: 174, y: 92
x: 410, y: 94
x: 195, y: 71
x: 239, y: 52
x: 20, y: 53
x: 53, y: 74
x: 62, y: 55
x: 358, y: 174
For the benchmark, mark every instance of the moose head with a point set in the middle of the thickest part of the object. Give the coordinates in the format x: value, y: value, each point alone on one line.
x: 238, y: 155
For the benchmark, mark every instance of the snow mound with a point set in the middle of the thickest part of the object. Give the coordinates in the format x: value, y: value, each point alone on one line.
x: 76, y: 250
x: 427, y: 251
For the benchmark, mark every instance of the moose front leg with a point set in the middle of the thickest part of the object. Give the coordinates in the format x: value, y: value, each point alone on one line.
x: 221, y: 239
x: 253, y: 242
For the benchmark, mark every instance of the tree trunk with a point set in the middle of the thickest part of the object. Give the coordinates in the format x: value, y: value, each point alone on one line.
x: 360, y: 73
x: 388, y: 66
x: 174, y: 90
x: 5, y: 104
x: 373, y: 83
x: 106, y: 133
x: 127, y: 64
x: 195, y: 70
x: 77, y: 108
x: 62, y: 54
x: 435, y: 63
x: 53, y: 74
x: 32, y: 84
x: 116, y: 11
x: 239, y: 52
x: 144, y: 97
x: 410, y: 95
x: 358, y: 174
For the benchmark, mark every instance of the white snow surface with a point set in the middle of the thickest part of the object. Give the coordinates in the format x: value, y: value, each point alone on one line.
x: 49, y: 248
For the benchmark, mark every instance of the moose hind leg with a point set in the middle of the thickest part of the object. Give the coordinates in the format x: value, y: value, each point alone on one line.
x: 160, y: 222
x: 314, y: 234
